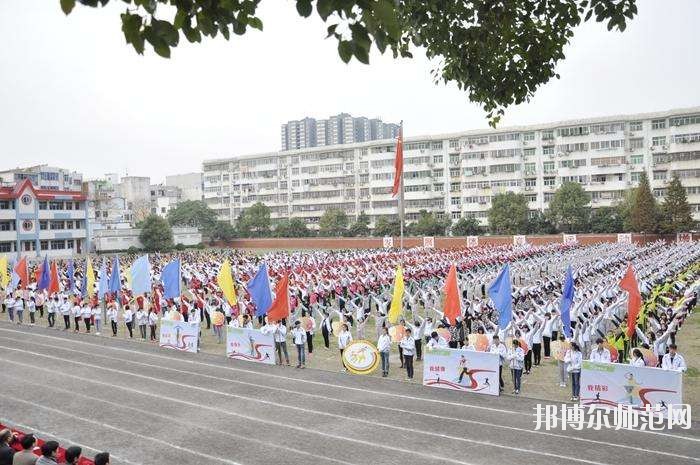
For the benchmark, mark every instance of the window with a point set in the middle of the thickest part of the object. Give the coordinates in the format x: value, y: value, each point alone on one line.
x: 548, y: 135
x: 7, y: 225
x: 549, y: 182
x: 658, y: 141
x: 528, y: 152
x: 436, y: 145
x: 437, y: 159
x: 69, y: 243
x: 637, y: 143
x: 548, y: 150
x: 438, y: 187
x: 608, y: 144
x: 658, y: 123
x: 454, y: 187
x: 7, y: 204
x: 55, y: 205
x: 58, y: 245
x: 636, y: 126
x: 634, y: 177
x: 660, y: 175
x: 6, y: 246
x: 530, y: 168
x: 530, y: 182
x: 44, y: 245
x: 527, y: 136
x: 685, y: 138
x: 637, y: 159
x: 684, y: 120
x: 504, y: 137
x: 548, y: 166
x: 573, y: 131
x: 454, y: 201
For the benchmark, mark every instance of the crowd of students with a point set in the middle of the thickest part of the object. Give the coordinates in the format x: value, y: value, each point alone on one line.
x: 341, y: 292
x: 27, y: 449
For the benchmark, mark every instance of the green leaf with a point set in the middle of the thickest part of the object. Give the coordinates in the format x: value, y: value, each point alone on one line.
x: 255, y: 23
x: 345, y: 50
x: 361, y: 53
x: 386, y: 15
x: 162, y: 50
x: 324, y: 8
x: 67, y: 6
x: 304, y: 8
x: 180, y: 18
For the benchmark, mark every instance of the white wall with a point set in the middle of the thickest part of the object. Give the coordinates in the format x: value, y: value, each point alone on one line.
x: 121, y: 239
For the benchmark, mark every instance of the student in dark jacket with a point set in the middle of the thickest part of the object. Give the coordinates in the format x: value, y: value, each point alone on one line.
x: 7, y: 437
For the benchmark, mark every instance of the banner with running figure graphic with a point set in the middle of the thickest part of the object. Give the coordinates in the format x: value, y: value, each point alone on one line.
x: 461, y: 370
x: 250, y: 344
x: 179, y: 335
x: 607, y: 385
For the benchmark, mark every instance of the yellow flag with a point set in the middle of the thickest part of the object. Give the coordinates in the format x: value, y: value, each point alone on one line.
x: 225, y: 281
x: 90, y: 281
x: 4, y: 275
x: 397, y: 298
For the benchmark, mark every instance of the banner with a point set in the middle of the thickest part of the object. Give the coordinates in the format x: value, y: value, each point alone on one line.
x: 361, y: 357
x: 429, y: 242
x: 461, y: 370
x: 519, y: 240
x: 684, y: 237
x: 250, y: 344
x: 472, y: 241
x: 387, y: 242
x: 569, y: 239
x: 179, y: 335
x: 606, y: 385
x: 624, y: 238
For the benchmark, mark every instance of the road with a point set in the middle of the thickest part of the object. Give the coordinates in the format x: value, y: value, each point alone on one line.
x: 148, y: 405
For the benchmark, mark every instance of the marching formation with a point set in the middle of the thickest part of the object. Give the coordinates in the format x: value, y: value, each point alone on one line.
x: 607, y: 302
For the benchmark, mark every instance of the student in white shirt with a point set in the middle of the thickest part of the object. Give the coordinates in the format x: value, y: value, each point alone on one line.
x: 637, y: 359
x: 516, y: 358
x: 19, y: 310
x: 299, y: 339
x: 280, y: 335
x: 436, y: 341
x: 142, y: 322
x: 344, y: 338
x: 497, y: 347
x: 77, y: 316
x: 673, y: 360
x: 53, y: 308
x: 86, y: 314
x: 310, y: 330
x: 600, y: 353
x: 65, y: 311
x: 152, y: 322
x: 574, y: 359
x: 10, y: 306
x: 384, y: 347
x: 96, y: 312
x: 129, y: 320
x: 408, y: 344
x: 112, y: 318
x: 32, y: 309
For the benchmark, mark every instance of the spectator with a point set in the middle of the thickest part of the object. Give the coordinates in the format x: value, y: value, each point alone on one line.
x: 102, y: 458
x: 73, y: 455
x: 7, y: 437
x: 48, y: 453
x: 26, y: 456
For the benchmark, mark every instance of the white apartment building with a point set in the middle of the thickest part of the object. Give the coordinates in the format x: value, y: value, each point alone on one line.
x: 107, y: 209
x: 456, y: 175
x: 44, y: 177
x: 338, y: 129
x: 190, y: 185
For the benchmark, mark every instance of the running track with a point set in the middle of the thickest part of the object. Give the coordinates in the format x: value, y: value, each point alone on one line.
x: 153, y: 406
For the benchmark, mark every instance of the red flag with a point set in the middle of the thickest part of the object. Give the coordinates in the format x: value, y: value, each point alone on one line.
x: 280, y: 307
x: 452, y: 308
x: 23, y: 272
x: 398, y: 164
x: 38, y: 272
x: 634, y: 299
x: 54, y: 282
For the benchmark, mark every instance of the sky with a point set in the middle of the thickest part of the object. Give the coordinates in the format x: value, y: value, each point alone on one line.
x: 74, y: 94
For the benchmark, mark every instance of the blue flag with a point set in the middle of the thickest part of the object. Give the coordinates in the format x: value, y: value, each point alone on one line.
x: 259, y: 289
x: 141, y: 275
x: 170, y: 277
x: 500, y: 292
x: 83, y: 287
x: 45, y: 277
x: 115, y: 280
x: 103, y: 285
x: 71, y: 276
x: 567, y: 299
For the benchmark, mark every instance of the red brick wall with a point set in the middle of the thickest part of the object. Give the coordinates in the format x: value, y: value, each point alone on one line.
x: 440, y: 242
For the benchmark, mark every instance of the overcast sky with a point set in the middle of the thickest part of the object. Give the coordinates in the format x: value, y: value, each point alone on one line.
x: 73, y: 94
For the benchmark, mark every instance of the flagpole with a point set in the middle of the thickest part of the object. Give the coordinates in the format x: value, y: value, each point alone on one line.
x: 401, y: 201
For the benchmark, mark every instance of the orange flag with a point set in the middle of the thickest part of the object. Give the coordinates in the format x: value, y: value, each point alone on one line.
x: 280, y: 307
x: 54, y: 283
x: 634, y: 299
x: 23, y: 272
x: 453, y: 307
x: 398, y: 164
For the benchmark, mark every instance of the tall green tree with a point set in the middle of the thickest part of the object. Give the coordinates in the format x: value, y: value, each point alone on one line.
x: 607, y: 220
x: 255, y: 220
x: 334, y: 222
x: 644, y: 214
x: 222, y: 231
x: 387, y: 227
x: 499, y: 52
x: 292, y: 228
x: 360, y: 227
x: 508, y: 214
x: 466, y: 227
x: 569, y: 210
x: 624, y: 208
x: 428, y: 225
x: 193, y: 213
x: 539, y: 223
x: 156, y: 234
x: 675, y: 210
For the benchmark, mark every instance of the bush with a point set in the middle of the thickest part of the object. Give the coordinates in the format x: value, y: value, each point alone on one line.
x: 180, y: 247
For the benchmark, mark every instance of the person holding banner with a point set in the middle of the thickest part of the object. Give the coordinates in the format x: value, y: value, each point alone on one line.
x: 574, y: 359
x: 497, y: 347
x: 279, y: 332
x: 601, y: 354
x: 637, y: 358
x: 384, y: 347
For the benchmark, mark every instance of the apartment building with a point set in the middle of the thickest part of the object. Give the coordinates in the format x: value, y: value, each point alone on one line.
x: 38, y: 222
x: 339, y: 129
x: 456, y: 175
x: 44, y: 177
x: 190, y: 185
